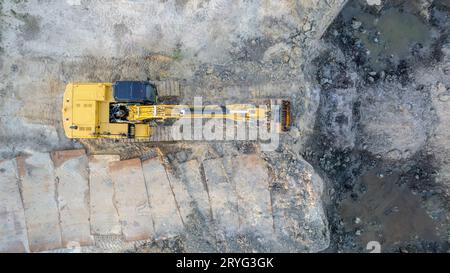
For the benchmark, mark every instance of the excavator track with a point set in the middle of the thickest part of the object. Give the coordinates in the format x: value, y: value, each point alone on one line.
x: 161, y: 134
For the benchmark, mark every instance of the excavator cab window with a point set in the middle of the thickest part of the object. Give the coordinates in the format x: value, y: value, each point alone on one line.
x: 135, y: 91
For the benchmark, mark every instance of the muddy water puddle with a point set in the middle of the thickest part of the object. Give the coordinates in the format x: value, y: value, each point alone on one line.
x: 388, y: 34
x: 387, y: 213
x: 444, y: 3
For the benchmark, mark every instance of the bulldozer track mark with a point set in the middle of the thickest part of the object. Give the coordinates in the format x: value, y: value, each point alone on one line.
x: 169, y: 88
x: 41, y: 113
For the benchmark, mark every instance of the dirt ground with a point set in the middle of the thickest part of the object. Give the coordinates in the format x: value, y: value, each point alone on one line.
x: 369, y: 86
x: 208, y: 44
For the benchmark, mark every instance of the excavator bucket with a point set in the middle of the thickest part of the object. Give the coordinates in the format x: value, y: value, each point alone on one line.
x: 285, y: 116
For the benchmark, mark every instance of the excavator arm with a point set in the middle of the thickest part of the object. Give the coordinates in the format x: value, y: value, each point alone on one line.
x: 234, y: 112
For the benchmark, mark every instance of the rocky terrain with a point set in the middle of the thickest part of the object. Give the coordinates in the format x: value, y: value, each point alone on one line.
x: 381, y: 130
x: 366, y: 160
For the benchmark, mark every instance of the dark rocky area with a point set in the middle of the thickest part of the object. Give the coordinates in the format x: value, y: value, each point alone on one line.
x: 376, y: 125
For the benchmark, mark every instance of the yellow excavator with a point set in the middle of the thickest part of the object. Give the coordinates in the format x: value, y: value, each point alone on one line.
x: 131, y: 110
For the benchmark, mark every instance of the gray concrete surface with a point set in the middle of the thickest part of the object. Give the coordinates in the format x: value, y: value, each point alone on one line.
x: 182, y: 198
x: 101, y: 204
x: 223, y: 202
x: 196, y: 187
x: 131, y: 200
x: 13, y: 232
x: 72, y: 187
x: 39, y: 196
x: 164, y: 210
x: 104, y: 214
x: 249, y: 176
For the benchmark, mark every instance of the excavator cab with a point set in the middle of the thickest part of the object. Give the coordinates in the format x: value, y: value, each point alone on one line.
x: 135, y: 91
